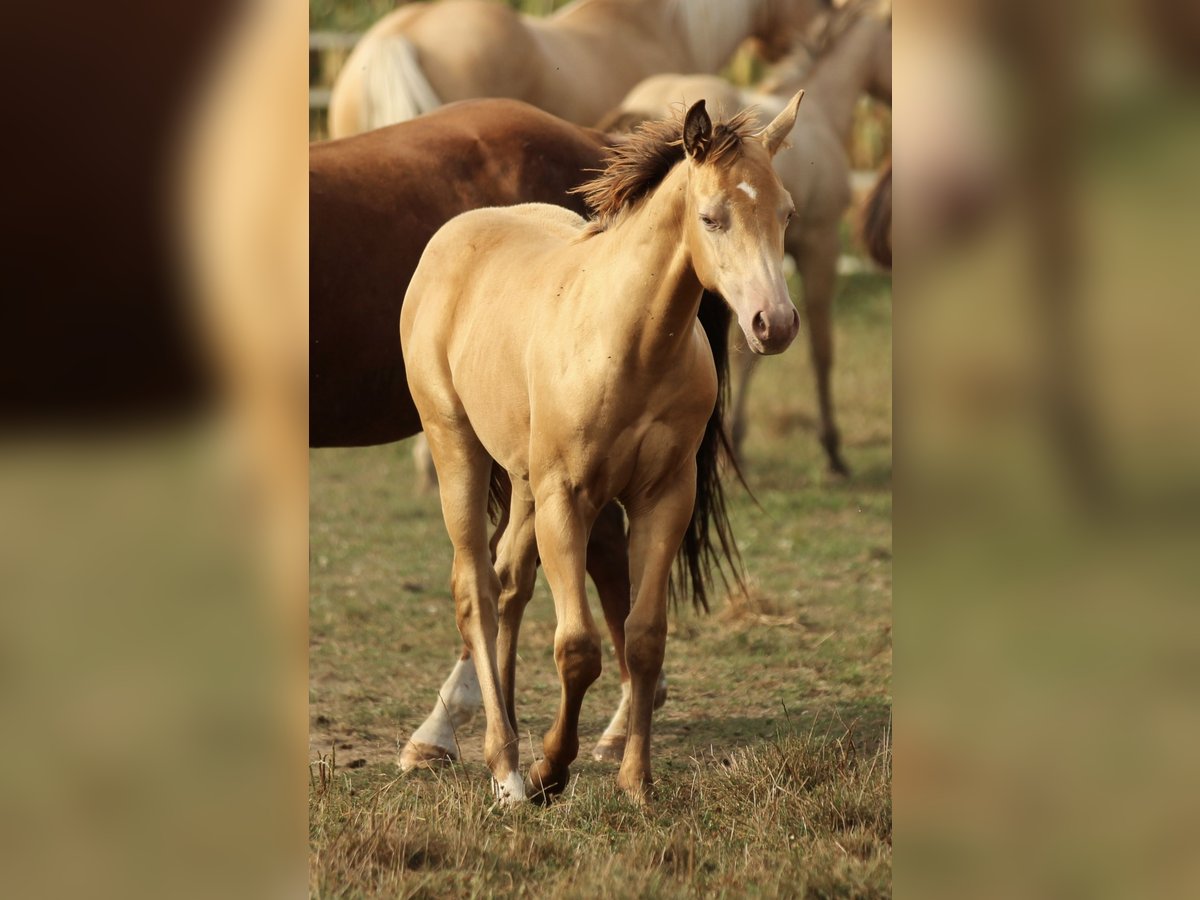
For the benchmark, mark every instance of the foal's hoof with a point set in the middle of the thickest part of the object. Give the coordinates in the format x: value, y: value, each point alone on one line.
x: 638, y: 789
x: 545, y: 781
x: 610, y: 748
x: 509, y: 790
x: 417, y: 755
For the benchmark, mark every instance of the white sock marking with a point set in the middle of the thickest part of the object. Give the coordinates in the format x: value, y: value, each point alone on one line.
x: 458, y: 701
x: 511, y: 790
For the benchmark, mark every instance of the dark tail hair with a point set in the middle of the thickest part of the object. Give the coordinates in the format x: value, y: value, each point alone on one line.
x: 875, y: 226
x: 708, y: 545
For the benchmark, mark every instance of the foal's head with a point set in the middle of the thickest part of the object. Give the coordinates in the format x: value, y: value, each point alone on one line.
x: 735, y: 216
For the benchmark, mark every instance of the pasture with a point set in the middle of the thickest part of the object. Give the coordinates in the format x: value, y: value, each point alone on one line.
x: 772, y: 754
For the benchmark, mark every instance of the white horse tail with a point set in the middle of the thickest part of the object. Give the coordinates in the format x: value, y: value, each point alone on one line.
x: 394, y: 87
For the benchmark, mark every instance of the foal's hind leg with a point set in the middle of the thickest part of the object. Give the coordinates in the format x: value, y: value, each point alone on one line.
x: 608, y: 566
x: 435, y: 742
x: 516, y: 566
x: 464, y: 470
x: 816, y: 258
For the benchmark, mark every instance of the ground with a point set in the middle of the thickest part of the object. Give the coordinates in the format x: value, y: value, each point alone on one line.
x: 772, y: 754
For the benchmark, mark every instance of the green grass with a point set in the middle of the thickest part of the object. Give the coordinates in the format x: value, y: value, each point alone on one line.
x: 772, y: 754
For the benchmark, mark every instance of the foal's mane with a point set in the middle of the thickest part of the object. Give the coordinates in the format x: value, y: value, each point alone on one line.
x: 640, y: 163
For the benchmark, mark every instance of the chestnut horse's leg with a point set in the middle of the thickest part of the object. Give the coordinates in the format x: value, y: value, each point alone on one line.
x: 464, y: 470
x: 563, y: 522
x: 656, y: 528
x: 816, y: 256
x: 435, y: 741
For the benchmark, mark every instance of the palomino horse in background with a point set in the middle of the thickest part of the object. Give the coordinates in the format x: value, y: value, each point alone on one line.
x: 588, y: 332
x: 375, y: 200
x: 577, y: 63
x: 853, y: 55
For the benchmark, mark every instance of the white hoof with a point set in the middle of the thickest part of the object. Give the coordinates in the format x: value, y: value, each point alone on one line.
x: 511, y: 790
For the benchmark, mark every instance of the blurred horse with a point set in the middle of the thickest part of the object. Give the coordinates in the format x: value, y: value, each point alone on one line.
x: 851, y: 54
x: 374, y: 202
x: 577, y: 63
x: 588, y: 333
x: 875, y: 223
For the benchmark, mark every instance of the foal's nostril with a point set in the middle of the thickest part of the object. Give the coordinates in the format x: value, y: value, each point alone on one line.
x: 795, y: 320
x: 760, y: 325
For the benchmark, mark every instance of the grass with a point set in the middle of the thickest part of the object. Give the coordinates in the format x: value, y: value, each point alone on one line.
x: 772, y: 754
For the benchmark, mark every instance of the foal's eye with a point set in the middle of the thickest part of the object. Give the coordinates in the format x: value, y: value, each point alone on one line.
x: 710, y: 223
x: 787, y: 220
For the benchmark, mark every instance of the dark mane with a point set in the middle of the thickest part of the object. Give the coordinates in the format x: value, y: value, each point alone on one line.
x: 638, y: 164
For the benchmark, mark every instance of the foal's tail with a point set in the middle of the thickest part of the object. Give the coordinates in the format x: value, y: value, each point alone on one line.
x: 394, y: 87
x: 708, y: 545
x: 875, y: 226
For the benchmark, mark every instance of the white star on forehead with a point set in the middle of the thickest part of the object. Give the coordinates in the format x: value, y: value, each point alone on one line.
x: 750, y: 192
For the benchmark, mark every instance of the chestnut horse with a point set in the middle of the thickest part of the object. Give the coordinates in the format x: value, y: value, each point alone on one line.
x: 851, y: 54
x: 569, y: 353
x: 375, y: 200
x: 577, y: 63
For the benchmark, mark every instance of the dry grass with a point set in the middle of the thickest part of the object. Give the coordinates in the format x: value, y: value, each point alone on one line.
x: 791, y: 817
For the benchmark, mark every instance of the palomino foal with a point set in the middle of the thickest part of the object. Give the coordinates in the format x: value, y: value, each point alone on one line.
x: 570, y: 354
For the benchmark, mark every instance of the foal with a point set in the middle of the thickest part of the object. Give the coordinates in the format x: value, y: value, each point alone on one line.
x: 570, y: 354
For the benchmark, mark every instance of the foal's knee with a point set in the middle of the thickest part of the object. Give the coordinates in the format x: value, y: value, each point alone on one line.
x: 578, y: 658
x: 475, y: 590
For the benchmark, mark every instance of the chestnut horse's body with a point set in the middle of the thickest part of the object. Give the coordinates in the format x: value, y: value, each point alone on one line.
x: 576, y: 63
x: 375, y: 200
x: 570, y: 354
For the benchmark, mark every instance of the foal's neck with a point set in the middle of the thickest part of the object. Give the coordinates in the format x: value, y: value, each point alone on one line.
x: 655, y: 291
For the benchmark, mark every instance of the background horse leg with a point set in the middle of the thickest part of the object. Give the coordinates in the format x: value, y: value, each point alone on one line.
x: 816, y: 255
x: 746, y: 362
x: 562, y: 529
x: 608, y: 566
x: 656, y: 529
x: 465, y: 468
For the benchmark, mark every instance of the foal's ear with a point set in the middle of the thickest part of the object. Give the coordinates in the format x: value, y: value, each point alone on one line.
x: 697, y: 131
x: 779, y: 129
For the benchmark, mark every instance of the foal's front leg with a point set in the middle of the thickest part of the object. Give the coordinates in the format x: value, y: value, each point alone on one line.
x: 656, y: 528
x: 562, y: 524
x: 608, y: 566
